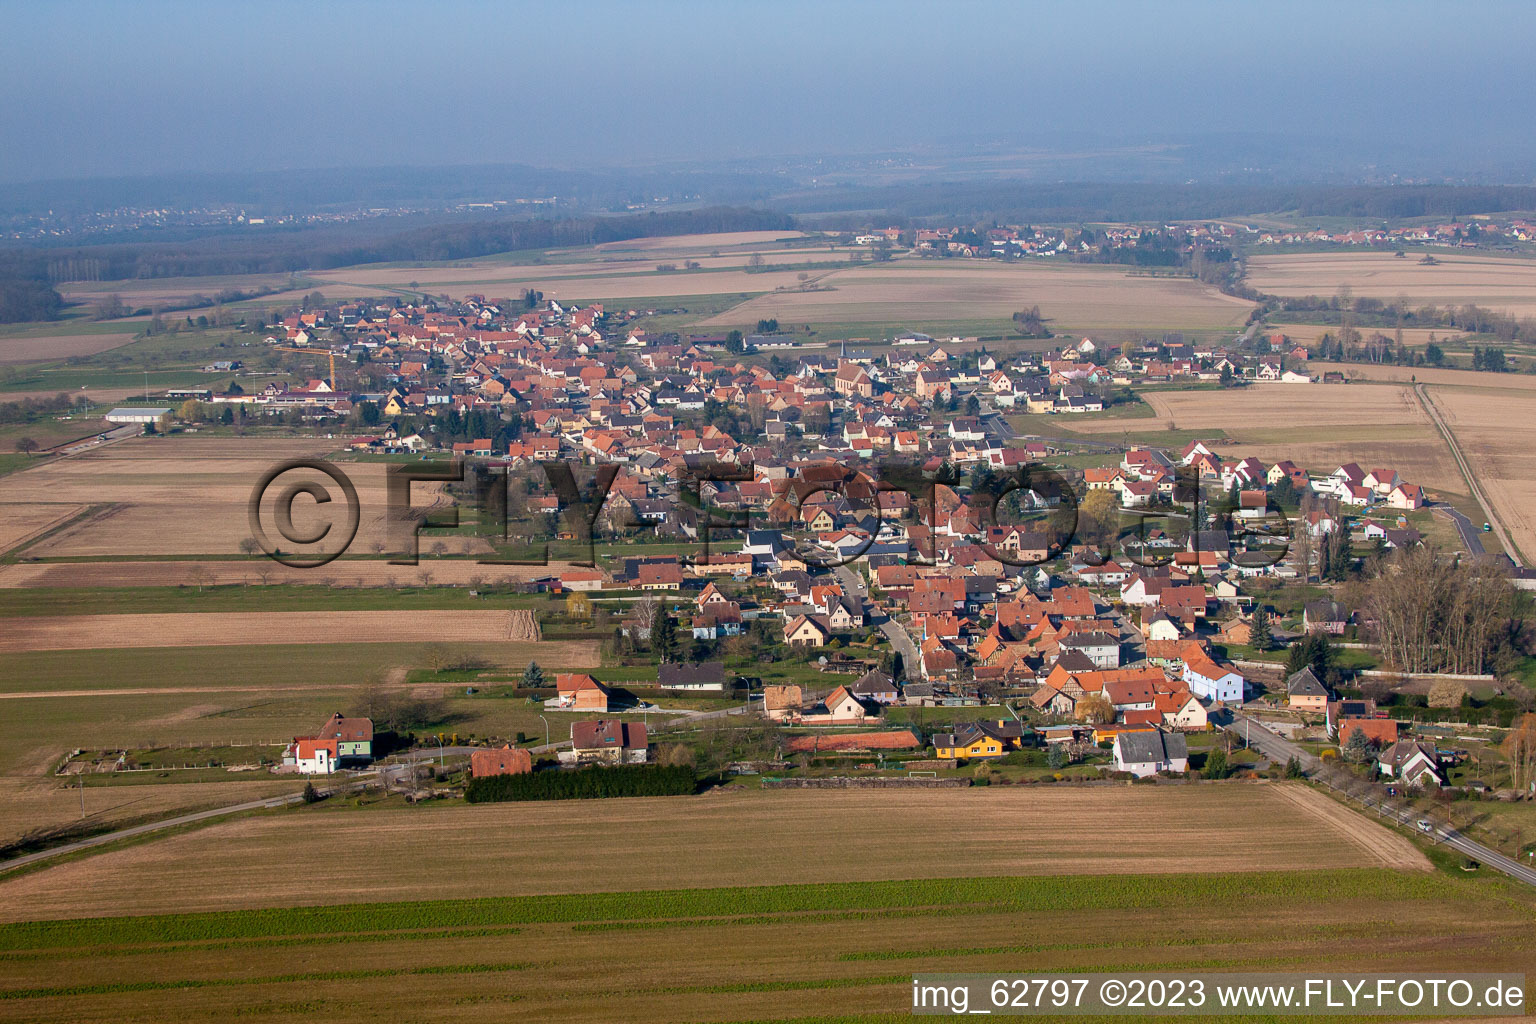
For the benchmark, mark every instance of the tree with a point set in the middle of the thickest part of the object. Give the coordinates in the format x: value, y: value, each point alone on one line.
x: 1261, y: 638
x: 27, y: 445
x: 533, y: 676
x: 1519, y: 747
x: 1216, y: 766
x: 1095, y: 710
x: 578, y: 606
x: 734, y: 343
x: 1433, y: 354
x: 1312, y: 651
x: 1293, y: 769
x: 768, y: 326
x: 664, y: 637
x: 1056, y: 755
x: 1357, y: 749
x: 311, y: 794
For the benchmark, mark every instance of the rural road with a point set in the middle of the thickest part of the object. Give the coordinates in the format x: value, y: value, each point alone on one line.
x: 1476, y: 488
x: 153, y: 826
x: 854, y: 584
x: 1279, y: 750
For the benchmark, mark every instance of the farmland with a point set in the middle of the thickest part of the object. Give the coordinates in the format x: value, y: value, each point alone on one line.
x: 914, y: 293
x: 847, y: 836
x: 185, y: 495
x: 817, y: 924
x: 1496, y: 430
x: 192, y: 629
x: 1504, y: 283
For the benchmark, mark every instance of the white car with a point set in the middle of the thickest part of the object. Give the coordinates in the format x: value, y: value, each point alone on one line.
x: 1425, y: 826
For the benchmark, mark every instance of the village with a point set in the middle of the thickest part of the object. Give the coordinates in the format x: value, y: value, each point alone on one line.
x: 1111, y: 620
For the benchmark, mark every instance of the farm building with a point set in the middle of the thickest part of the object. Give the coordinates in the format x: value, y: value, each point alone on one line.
x: 508, y: 760
x: 140, y: 416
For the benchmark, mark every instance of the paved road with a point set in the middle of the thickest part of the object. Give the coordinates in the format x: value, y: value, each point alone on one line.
x: 1279, y: 749
x: 1471, y: 535
x: 1466, y: 471
x: 894, y: 632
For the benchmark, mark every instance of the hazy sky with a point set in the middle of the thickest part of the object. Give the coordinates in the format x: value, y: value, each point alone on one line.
x: 97, y: 89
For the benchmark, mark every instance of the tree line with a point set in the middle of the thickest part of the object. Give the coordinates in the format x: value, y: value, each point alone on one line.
x: 284, y: 252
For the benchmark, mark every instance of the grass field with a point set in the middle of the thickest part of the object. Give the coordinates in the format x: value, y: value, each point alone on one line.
x: 1505, y: 283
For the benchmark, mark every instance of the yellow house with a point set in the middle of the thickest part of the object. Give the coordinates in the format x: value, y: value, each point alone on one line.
x: 978, y: 739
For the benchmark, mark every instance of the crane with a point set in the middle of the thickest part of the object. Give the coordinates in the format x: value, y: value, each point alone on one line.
x: 310, y: 352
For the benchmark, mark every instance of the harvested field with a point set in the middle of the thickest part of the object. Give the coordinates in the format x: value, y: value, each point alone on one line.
x: 1496, y: 431
x: 1413, y: 337
x: 577, y: 283
x: 217, y: 629
x: 1429, y: 375
x: 42, y: 802
x: 831, y: 951
x: 20, y: 523
x: 698, y: 842
x: 342, y: 573
x: 700, y: 243
x: 915, y: 292
x: 1318, y: 426
x: 169, y: 496
x: 54, y: 347
x: 1505, y: 283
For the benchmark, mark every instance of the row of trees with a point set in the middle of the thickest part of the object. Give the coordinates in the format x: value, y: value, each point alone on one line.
x: 1433, y: 614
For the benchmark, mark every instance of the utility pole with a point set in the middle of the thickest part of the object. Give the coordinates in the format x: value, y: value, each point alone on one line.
x: 82, y: 795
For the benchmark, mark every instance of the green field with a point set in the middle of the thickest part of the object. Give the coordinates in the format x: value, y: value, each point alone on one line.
x: 817, y: 951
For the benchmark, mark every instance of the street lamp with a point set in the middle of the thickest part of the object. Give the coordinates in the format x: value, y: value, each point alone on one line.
x: 546, y: 729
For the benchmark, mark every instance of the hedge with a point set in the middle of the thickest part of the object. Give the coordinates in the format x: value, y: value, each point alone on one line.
x: 585, y: 783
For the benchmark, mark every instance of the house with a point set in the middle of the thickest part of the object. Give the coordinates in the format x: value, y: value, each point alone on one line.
x: 1146, y: 752
x: 875, y: 685
x: 1381, y: 732
x: 340, y: 742
x: 706, y: 675
x: 1208, y: 680
x: 840, y: 707
x: 1406, y: 497
x: 781, y: 703
x: 1181, y: 711
x: 1101, y: 649
x: 608, y: 741
x: 1411, y: 763
x: 979, y: 740
x: 806, y: 631
x: 1305, y: 692
x: 1326, y: 616
x: 508, y: 760
x: 1339, y: 710
x: 580, y: 692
